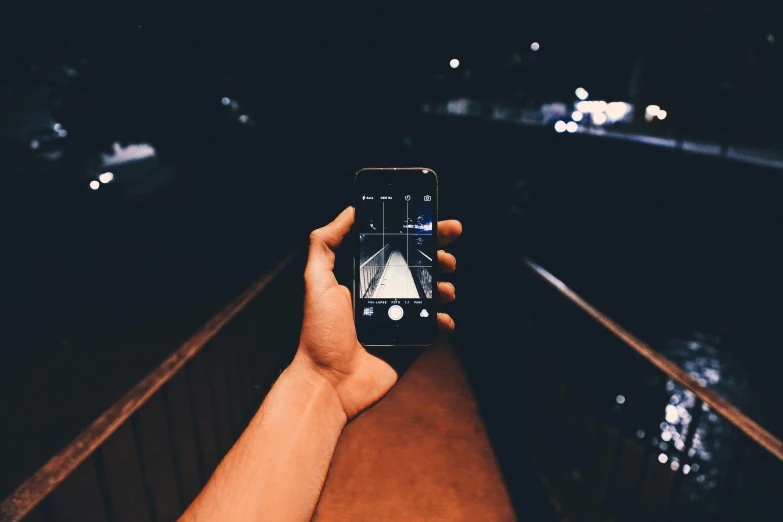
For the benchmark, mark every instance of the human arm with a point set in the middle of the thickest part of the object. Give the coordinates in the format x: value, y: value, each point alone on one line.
x: 277, y: 468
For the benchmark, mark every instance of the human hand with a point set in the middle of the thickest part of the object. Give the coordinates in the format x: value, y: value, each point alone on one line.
x: 328, y: 345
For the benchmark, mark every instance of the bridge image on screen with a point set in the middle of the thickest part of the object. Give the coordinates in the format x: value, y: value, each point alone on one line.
x: 393, y: 259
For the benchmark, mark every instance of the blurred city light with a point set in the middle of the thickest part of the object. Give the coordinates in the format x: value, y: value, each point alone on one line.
x: 243, y: 118
x: 225, y: 100
x: 62, y: 133
x: 454, y: 63
x: 662, y: 458
x: 640, y: 434
x: 57, y: 127
x: 572, y: 127
x: 620, y: 399
x: 581, y: 93
x: 459, y: 106
x: 534, y: 46
x: 122, y: 155
x: 106, y: 177
x: 560, y: 126
x: 576, y: 116
x: 616, y: 111
x: 95, y: 185
x: 599, y: 118
x: 34, y: 144
x: 591, y: 106
x: 686, y: 469
x: 651, y: 112
x: 662, y: 114
x: 675, y: 465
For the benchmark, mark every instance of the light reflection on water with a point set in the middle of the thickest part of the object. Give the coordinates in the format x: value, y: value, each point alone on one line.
x: 706, y: 452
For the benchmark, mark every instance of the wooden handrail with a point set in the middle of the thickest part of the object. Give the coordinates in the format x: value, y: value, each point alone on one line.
x: 730, y: 412
x: 38, y: 486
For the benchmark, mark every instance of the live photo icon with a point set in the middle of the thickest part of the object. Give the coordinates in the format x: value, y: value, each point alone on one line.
x: 427, y: 198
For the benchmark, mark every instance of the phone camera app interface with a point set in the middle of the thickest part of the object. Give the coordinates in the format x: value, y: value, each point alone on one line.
x: 396, y: 250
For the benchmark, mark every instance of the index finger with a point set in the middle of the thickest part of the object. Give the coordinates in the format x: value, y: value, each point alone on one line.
x: 323, y: 242
x: 448, y: 231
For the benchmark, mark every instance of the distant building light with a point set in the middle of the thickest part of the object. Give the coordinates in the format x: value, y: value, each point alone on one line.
x: 675, y: 465
x: 620, y: 399
x: 576, y: 116
x: 662, y: 114
x: 581, y: 93
x: 106, y: 177
x: 34, y: 144
x: 666, y: 436
x: 243, y: 118
x: 130, y: 153
x: 771, y: 38
x: 534, y: 46
x: 560, y: 126
x: 640, y: 434
x: 57, y: 127
x: 679, y: 444
x: 225, y: 100
x: 454, y: 63
x: 686, y: 469
x: 95, y: 185
x: 62, y: 133
x: 572, y: 127
x: 662, y: 458
x: 599, y: 118
x: 652, y: 110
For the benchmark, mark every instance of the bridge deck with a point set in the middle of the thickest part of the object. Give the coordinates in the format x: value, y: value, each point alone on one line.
x: 422, y: 453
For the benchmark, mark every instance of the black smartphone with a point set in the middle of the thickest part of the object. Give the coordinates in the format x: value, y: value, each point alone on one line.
x: 395, y: 282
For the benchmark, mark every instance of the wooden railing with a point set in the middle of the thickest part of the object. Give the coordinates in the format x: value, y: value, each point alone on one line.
x: 720, y: 405
x: 147, y: 456
x: 592, y: 427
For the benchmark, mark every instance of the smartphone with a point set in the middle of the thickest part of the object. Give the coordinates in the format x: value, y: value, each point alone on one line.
x: 395, y: 283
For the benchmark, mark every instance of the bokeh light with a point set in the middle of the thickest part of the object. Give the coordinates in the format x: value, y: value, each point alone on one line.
x: 599, y: 118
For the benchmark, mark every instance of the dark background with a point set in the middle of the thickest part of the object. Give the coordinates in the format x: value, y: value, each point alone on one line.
x: 99, y: 286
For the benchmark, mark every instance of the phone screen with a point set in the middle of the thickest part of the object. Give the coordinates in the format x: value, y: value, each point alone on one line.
x: 395, y: 256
